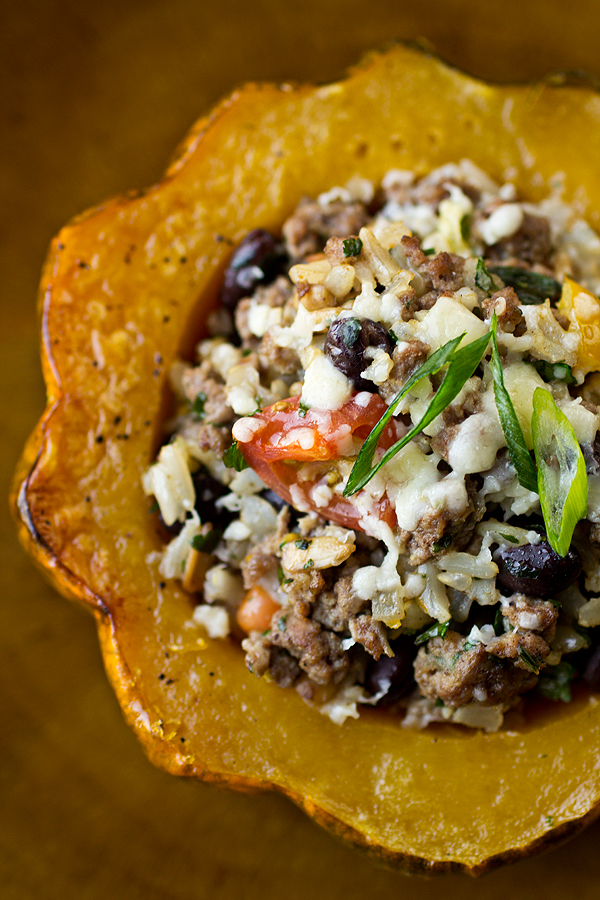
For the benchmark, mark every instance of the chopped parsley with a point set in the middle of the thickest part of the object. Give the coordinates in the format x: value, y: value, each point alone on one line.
x: 554, y: 371
x: 531, y: 287
x: 233, y: 458
x: 352, y: 247
x: 528, y: 660
x: 282, y: 579
x: 483, y: 279
x: 206, y: 543
x: 437, y: 630
x: 555, y: 682
x: 198, y: 405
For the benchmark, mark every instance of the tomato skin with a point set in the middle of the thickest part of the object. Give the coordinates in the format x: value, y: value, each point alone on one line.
x: 282, y: 436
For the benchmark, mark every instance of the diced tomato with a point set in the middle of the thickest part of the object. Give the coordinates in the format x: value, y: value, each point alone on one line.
x: 283, y: 436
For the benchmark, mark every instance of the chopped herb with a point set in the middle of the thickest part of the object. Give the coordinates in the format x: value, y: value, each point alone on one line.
x: 308, y: 564
x: 429, y: 251
x: 303, y: 408
x: 198, y: 405
x: 483, y: 279
x: 206, y: 543
x: 439, y: 702
x: 469, y: 645
x: 462, y: 364
x: 498, y: 623
x: 281, y: 623
x: 437, y: 630
x: 583, y: 632
x: 465, y: 227
x: 549, y: 820
x: 281, y: 577
x: 510, y: 538
x: 515, y: 439
x: 352, y: 247
x: 554, y: 371
x: 302, y: 544
x: 443, y: 542
x: 233, y: 458
x: 563, y: 484
x: 555, y: 682
x: 528, y: 660
x: 531, y: 287
x: 394, y: 337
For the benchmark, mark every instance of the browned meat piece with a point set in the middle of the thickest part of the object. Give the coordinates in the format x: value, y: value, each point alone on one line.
x: 435, y: 524
x: 407, y: 357
x: 206, y: 380
x: 505, y: 304
x: 319, y: 653
x: 348, y: 600
x: 307, y: 230
x: 262, y: 657
x: 276, y: 295
x: 445, y: 270
x: 284, y: 669
x: 531, y: 244
x: 210, y: 437
x: 442, y: 272
x: 326, y: 610
x: 334, y: 250
x: 276, y: 361
x: 422, y: 192
x: 258, y: 653
x: 371, y: 634
x: 257, y: 563
x: 429, y: 531
x: 530, y: 614
x: 302, y: 589
x: 412, y: 248
x: 515, y: 644
x: 452, y: 416
x: 449, y: 670
x: 335, y: 607
x: 241, y: 322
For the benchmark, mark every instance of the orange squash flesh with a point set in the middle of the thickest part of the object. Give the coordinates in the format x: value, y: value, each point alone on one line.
x: 124, y: 292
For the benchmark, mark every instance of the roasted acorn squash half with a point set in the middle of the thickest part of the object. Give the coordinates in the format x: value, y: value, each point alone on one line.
x: 124, y: 292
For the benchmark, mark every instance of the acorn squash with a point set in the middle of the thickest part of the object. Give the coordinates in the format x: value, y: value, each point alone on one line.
x: 124, y: 292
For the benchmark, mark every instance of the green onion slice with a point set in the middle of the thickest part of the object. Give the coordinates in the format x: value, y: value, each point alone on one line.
x: 562, y: 481
x: 515, y: 439
x: 462, y: 364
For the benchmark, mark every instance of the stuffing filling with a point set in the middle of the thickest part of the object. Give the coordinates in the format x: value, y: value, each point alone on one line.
x: 384, y: 475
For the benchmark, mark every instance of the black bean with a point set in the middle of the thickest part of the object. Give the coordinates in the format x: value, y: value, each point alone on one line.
x: 536, y: 570
x: 208, y: 491
x: 257, y: 260
x: 347, y: 341
x: 392, y: 674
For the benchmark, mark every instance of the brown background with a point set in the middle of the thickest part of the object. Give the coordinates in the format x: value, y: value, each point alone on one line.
x: 93, y: 99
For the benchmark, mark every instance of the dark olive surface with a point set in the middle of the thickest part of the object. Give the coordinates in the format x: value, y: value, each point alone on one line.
x: 393, y: 674
x: 257, y: 260
x: 346, y: 343
x: 536, y: 569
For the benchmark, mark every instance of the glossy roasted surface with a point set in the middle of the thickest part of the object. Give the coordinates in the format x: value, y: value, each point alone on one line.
x: 94, y: 102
